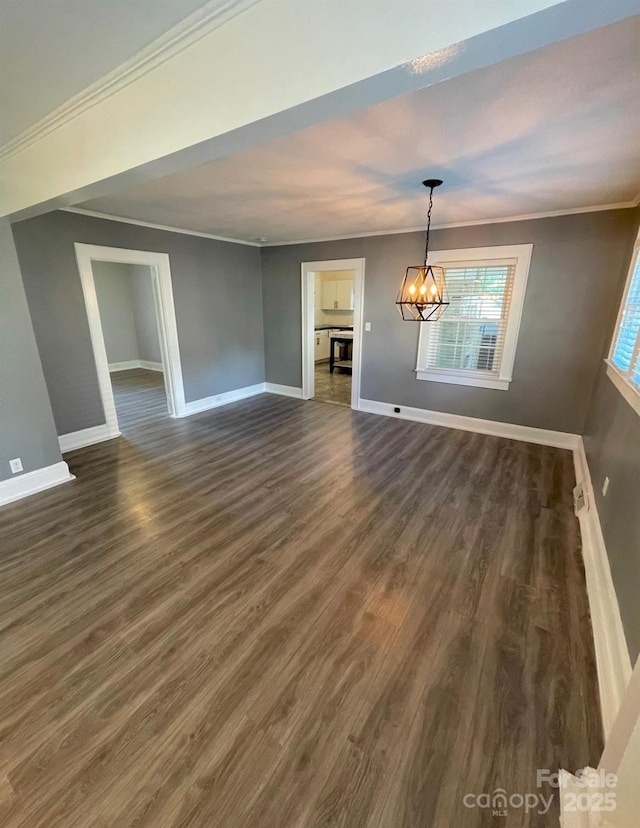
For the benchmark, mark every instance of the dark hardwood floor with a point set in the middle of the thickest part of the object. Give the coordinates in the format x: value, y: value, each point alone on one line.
x: 140, y: 398
x: 332, y: 388
x: 282, y: 613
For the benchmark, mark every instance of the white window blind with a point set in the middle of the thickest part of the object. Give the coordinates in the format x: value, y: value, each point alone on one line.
x: 470, y: 335
x: 626, y: 349
x: 624, y: 359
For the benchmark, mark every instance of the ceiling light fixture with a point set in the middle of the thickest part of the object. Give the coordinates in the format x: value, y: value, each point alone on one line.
x: 423, y: 294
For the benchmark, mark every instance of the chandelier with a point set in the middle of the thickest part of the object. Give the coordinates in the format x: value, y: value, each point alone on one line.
x: 423, y: 294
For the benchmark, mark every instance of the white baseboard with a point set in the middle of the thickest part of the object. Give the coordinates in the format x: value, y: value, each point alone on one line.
x: 283, y: 390
x: 612, y: 654
x: 32, y: 482
x: 569, y: 791
x: 151, y: 366
x: 240, y: 394
x: 123, y: 366
x: 560, y: 439
x: 217, y: 400
x: 135, y: 363
x: 86, y: 437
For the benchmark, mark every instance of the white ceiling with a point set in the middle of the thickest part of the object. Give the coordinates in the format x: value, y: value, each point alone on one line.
x: 554, y: 130
x: 52, y: 49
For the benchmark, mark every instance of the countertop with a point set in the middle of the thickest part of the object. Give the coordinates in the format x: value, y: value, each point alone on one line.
x: 333, y: 328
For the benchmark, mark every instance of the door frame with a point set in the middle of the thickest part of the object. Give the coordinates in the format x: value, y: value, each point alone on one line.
x: 308, y: 271
x: 160, y: 270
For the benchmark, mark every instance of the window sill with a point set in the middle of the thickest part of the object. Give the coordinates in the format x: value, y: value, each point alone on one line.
x: 464, y: 379
x: 628, y: 391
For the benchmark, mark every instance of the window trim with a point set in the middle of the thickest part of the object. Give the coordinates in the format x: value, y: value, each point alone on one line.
x: 629, y: 390
x: 481, y: 379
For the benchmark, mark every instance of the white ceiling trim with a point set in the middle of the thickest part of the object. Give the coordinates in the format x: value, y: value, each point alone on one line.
x: 597, y: 208
x: 621, y: 205
x: 197, y: 25
x: 165, y: 227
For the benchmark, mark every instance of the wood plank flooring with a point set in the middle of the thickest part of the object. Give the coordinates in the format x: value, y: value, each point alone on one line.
x: 332, y: 388
x: 281, y: 613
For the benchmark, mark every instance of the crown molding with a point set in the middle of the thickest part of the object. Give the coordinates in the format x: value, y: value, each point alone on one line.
x: 197, y: 25
x: 167, y: 228
x: 597, y: 208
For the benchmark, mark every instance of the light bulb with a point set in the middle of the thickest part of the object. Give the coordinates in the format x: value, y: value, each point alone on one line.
x: 434, y: 290
x: 412, y: 289
x: 423, y: 289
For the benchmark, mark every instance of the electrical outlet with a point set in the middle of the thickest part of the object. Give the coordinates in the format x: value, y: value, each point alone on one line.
x: 367, y: 326
x: 605, y: 487
x: 16, y: 465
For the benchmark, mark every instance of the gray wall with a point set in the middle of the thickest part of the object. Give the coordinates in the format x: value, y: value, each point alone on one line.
x: 565, y: 318
x: 217, y: 295
x: 144, y: 314
x: 114, y: 290
x: 127, y: 312
x: 612, y: 444
x: 27, y: 429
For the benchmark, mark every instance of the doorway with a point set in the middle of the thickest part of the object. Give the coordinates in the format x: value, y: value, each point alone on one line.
x: 135, y: 348
x: 332, y: 305
x: 132, y: 340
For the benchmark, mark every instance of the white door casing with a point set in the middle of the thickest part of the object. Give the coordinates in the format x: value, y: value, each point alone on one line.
x: 165, y: 313
x: 308, y: 271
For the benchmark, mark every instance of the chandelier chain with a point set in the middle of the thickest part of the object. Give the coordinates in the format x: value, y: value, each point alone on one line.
x: 426, y: 249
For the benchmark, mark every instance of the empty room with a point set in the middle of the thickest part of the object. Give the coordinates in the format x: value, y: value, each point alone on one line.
x: 319, y: 413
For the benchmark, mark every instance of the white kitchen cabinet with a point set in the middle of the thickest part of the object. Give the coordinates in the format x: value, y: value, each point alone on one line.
x: 337, y: 294
x: 345, y: 295
x: 321, y: 345
x: 329, y: 295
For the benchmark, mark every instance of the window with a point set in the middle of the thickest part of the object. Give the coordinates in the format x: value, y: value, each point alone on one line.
x: 474, y: 341
x: 624, y: 359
